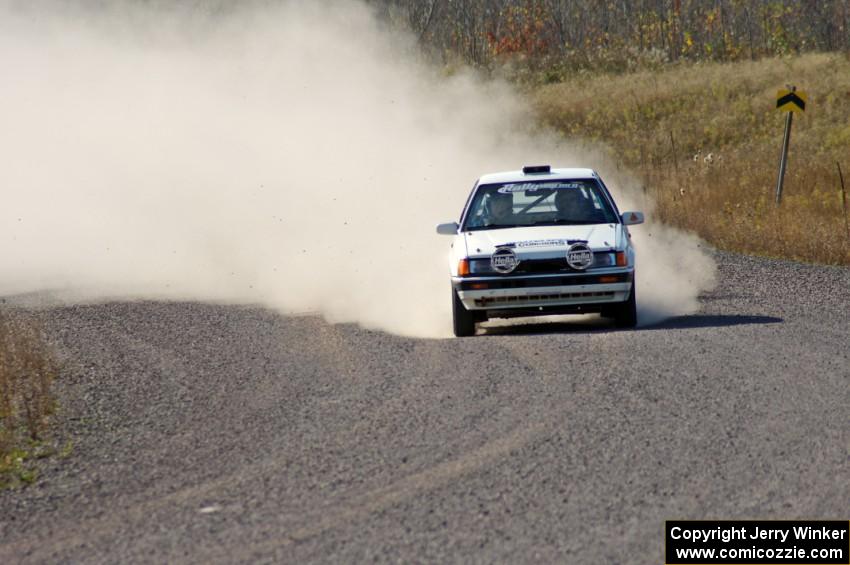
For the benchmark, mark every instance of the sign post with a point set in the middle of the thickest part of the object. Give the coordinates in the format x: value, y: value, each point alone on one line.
x: 789, y: 101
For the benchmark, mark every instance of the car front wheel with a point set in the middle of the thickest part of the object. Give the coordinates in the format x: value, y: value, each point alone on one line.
x: 464, y: 320
x: 625, y: 316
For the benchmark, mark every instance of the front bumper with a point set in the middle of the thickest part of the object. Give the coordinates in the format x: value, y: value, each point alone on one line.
x: 529, y: 294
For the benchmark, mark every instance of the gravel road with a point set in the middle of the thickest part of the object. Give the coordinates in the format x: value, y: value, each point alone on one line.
x: 209, y: 433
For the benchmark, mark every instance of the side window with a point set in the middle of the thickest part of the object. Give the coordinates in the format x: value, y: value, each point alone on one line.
x: 594, y: 198
x: 611, y: 200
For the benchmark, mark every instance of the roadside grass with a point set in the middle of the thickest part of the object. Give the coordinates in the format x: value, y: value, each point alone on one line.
x: 705, y: 140
x: 27, y: 371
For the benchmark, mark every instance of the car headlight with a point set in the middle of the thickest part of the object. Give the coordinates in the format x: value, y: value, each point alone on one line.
x: 603, y: 260
x: 613, y: 259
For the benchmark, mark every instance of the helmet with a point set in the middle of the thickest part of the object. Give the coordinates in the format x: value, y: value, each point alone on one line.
x: 499, y: 203
x: 571, y: 200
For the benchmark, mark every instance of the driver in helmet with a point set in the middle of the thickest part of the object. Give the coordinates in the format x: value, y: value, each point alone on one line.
x: 572, y: 205
x: 496, y: 210
x: 500, y: 208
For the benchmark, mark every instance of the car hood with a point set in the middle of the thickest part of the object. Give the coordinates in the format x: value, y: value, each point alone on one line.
x: 543, y: 241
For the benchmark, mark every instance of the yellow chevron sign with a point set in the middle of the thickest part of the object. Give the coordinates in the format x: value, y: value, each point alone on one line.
x: 791, y: 101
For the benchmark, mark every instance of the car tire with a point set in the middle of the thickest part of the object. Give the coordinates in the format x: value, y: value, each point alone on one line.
x: 464, y: 320
x: 625, y: 315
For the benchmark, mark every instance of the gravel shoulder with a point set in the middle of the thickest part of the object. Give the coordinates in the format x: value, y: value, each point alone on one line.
x: 232, y: 434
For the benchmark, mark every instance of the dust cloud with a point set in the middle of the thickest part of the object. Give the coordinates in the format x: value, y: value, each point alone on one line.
x: 296, y: 155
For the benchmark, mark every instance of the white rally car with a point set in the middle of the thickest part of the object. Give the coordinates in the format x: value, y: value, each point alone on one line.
x: 541, y: 241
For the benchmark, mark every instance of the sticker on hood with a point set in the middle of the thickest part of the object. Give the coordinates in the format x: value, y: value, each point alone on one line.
x: 548, y: 243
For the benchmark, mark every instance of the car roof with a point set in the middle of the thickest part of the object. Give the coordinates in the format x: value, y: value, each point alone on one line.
x: 554, y: 174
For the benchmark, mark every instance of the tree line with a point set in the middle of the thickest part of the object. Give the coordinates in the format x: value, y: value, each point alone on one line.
x: 619, y: 33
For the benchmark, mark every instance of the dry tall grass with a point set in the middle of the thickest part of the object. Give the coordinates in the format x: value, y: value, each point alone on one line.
x: 27, y: 370
x: 706, y: 138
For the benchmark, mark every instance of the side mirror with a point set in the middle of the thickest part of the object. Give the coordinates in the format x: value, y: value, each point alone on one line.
x: 632, y: 218
x: 447, y: 229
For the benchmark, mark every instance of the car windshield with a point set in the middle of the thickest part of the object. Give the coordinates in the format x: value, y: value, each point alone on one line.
x: 552, y: 203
